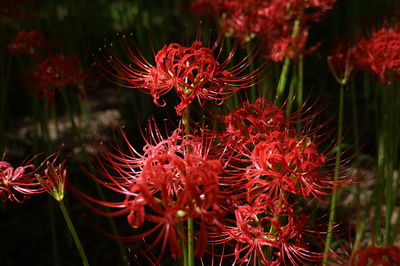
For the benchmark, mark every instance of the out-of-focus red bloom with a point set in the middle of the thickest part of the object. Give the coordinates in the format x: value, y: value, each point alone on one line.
x: 16, y: 184
x: 340, y: 63
x: 380, y: 54
x: 16, y: 8
x: 56, y: 73
x: 272, y: 21
x: 28, y: 42
x: 386, y: 256
x: 165, y: 186
x: 192, y: 72
x: 289, y: 47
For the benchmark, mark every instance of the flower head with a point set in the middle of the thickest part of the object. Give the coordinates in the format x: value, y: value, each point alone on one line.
x: 380, y: 54
x: 16, y: 184
x: 192, y: 72
x: 171, y: 181
x: 56, y: 73
x: 53, y: 179
x: 28, y: 42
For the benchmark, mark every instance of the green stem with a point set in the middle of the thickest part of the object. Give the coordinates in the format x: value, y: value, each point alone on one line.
x: 283, y: 78
x: 190, y: 243
x: 332, y: 212
x: 300, y: 81
x: 73, y: 233
x: 286, y: 63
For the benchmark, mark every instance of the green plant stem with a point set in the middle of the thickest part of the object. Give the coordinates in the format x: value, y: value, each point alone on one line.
x: 286, y: 63
x: 332, y: 213
x: 190, y: 244
x: 283, y: 78
x: 73, y: 233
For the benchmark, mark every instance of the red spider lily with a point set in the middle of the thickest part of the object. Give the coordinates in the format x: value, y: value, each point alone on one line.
x: 53, y: 179
x: 192, y: 72
x: 289, y: 47
x: 340, y: 63
x: 28, y: 42
x: 385, y: 256
x: 16, y: 184
x: 166, y: 185
x: 282, y: 164
x: 252, y: 120
x: 272, y: 21
x: 380, y: 54
x: 261, y: 228
x: 56, y: 73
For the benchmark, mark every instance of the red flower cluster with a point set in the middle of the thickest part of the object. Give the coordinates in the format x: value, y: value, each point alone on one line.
x: 28, y: 42
x: 192, y: 72
x: 272, y: 21
x: 56, y: 73
x: 380, y: 54
x: 240, y: 186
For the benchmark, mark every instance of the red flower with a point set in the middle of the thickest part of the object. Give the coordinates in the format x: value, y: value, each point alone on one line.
x: 340, y: 63
x: 376, y: 256
x: 283, y: 164
x: 53, y: 179
x: 380, y: 54
x: 16, y: 184
x: 272, y: 21
x: 261, y: 226
x: 28, y: 42
x: 56, y: 73
x: 192, y: 72
x: 166, y: 185
x: 254, y: 120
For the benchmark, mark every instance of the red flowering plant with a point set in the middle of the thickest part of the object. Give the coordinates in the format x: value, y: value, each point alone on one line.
x: 17, y: 184
x: 385, y: 256
x: 192, y: 72
x: 380, y: 54
x: 274, y: 21
x: 55, y: 73
x: 172, y: 181
x: 29, y: 43
x: 262, y: 231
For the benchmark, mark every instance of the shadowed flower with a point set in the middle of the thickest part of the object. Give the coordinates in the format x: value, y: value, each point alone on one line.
x: 192, y: 72
x: 28, y: 42
x: 53, y: 179
x: 16, y: 184
x: 56, y: 73
x: 272, y: 21
x: 380, y: 54
x: 385, y: 256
